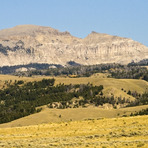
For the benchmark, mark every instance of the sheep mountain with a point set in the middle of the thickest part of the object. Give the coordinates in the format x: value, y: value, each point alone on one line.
x: 25, y: 44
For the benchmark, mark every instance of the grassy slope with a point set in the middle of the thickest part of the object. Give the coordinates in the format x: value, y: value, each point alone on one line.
x: 115, y: 132
x: 52, y: 115
x: 127, y: 84
x: 111, y: 85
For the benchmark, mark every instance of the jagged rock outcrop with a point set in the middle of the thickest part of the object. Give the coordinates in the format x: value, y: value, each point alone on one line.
x: 26, y: 44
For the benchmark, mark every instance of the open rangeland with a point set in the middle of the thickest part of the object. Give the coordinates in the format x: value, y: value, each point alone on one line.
x: 72, y: 114
x: 111, y: 132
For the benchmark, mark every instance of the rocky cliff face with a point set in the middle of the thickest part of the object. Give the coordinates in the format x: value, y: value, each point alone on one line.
x: 36, y: 44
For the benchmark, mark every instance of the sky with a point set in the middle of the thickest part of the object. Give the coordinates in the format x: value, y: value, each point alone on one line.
x: 125, y: 18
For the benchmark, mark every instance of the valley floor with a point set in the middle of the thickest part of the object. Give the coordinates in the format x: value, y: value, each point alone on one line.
x: 111, y: 132
x: 48, y: 115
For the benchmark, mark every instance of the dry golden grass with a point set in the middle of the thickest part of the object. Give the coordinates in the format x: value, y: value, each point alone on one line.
x: 74, y: 114
x: 100, y: 75
x: 115, y: 132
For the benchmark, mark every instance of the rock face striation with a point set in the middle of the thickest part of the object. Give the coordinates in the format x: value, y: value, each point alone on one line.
x: 26, y: 44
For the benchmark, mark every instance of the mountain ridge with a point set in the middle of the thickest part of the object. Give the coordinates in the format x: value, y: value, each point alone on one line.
x: 26, y: 44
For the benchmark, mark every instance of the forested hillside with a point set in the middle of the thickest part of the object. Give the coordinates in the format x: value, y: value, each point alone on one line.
x: 21, y: 98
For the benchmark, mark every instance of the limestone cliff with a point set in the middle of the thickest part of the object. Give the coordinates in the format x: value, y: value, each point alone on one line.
x: 26, y: 44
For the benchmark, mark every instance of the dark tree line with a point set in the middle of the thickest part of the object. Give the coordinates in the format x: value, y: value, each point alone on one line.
x: 143, y: 62
x: 36, y: 66
x: 142, y: 112
x: 130, y: 72
x: 73, y: 69
x: 115, y: 70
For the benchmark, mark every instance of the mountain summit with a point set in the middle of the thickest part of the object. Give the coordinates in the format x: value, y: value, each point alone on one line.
x: 26, y: 44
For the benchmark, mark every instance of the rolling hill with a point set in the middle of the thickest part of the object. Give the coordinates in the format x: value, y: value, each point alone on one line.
x: 111, y: 85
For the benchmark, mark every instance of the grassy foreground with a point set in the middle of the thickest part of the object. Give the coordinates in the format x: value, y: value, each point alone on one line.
x: 113, y: 132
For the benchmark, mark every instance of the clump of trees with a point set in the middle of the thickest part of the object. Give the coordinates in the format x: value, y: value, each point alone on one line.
x: 140, y: 99
x: 143, y: 62
x: 142, y: 112
x: 130, y: 72
x: 19, y: 100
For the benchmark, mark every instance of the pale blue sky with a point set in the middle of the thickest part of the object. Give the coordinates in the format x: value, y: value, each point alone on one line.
x: 125, y: 18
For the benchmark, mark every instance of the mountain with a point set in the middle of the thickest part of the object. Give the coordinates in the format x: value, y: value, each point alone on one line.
x: 26, y: 44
